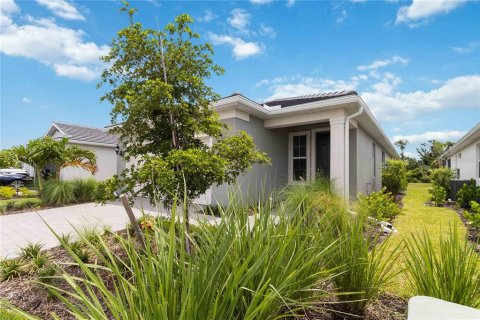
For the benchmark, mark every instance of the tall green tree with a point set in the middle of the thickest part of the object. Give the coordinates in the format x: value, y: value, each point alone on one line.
x: 162, y: 106
x: 8, y: 159
x: 430, y: 152
x: 402, y: 144
x: 45, y: 151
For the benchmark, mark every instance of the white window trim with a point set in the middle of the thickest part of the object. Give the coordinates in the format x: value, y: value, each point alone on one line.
x: 290, y: 156
x: 313, y: 157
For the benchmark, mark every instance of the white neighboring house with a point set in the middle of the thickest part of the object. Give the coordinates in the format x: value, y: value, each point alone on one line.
x: 464, y: 156
x: 96, y: 139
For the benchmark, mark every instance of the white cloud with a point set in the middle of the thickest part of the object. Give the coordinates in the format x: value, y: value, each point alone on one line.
x: 259, y: 2
x: 61, y: 48
x: 472, y: 46
x: 7, y: 8
x: 62, y: 9
x: 377, y: 64
x: 267, y: 31
x: 239, y: 19
x: 306, y: 85
x: 420, y: 10
x: 459, y: 92
x: 241, y: 48
x: 290, y: 3
x: 452, y: 135
x: 208, y: 16
x: 342, y: 16
x: 26, y: 100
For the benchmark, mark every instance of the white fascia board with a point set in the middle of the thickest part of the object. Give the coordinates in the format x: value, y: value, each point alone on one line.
x: 464, y: 141
x: 54, y: 126
x: 87, y: 143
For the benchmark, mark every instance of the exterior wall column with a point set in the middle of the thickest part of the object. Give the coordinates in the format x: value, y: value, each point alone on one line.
x: 337, y: 154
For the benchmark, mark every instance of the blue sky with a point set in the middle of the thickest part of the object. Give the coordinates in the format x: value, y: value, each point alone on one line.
x: 416, y: 64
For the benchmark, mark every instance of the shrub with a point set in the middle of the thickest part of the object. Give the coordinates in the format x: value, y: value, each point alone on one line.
x: 25, y: 192
x: 46, y: 273
x: 20, y: 204
x: 85, y: 189
x: 7, y: 192
x: 467, y: 193
x: 449, y: 272
x: 379, y: 205
x: 241, y: 269
x: 78, y: 251
x: 441, y: 177
x: 10, y: 269
x: 40, y: 260
x: 437, y: 195
x: 394, y: 176
x: 364, y: 268
x: 474, y: 216
x: 419, y: 174
x: 31, y: 250
x: 57, y: 192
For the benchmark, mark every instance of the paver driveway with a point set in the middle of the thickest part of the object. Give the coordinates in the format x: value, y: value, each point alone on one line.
x: 17, y: 230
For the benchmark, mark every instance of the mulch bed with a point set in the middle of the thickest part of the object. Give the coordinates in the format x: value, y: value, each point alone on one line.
x: 35, y: 299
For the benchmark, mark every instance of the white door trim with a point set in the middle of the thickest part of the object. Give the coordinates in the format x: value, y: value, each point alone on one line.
x: 290, y: 155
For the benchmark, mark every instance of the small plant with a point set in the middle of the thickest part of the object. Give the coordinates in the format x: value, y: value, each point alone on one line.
x: 449, y: 272
x: 31, y: 250
x: 85, y: 189
x: 57, y: 192
x: 379, y: 205
x: 467, y: 193
x: 46, y: 273
x: 437, y: 195
x: 25, y: 192
x: 441, y: 177
x: 40, y: 260
x: 147, y: 223
x: 394, y: 176
x: 80, y: 251
x: 10, y: 269
x: 66, y: 238
x: 90, y: 235
x: 365, y: 270
x: 7, y: 192
x: 474, y: 215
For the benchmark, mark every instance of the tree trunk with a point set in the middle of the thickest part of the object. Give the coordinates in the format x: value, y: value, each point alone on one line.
x: 38, y: 173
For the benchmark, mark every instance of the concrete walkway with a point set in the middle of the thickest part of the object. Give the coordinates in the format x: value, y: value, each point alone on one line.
x: 17, y: 230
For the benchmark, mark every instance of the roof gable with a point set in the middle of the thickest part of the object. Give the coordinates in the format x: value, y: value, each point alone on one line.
x: 294, y: 101
x: 83, y: 134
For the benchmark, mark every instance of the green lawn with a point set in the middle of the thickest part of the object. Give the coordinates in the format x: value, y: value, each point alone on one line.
x: 417, y: 217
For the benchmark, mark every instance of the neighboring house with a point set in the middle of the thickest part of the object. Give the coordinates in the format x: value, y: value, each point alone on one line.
x: 464, y: 156
x: 96, y: 139
x: 332, y: 134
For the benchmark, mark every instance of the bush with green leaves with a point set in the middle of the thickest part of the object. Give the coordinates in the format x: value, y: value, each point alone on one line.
x: 31, y: 250
x: 365, y: 267
x: 25, y: 192
x: 467, y: 193
x: 473, y: 216
x: 441, y: 177
x: 379, y: 205
x: 20, y: 204
x: 419, y: 174
x: 394, y: 176
x: 7, y: 192
x: 57, y: 192
x: 10, y: 269
x: 437, y: 195
x: 85, y: 189
x: 449, y: 271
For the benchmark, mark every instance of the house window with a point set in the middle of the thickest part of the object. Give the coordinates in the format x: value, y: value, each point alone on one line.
x: 460, y: 156
x: 383, y: 157
x: 374, y: 160
x: 449, y: 163
x: 458, y: 173
x: 299, y: 156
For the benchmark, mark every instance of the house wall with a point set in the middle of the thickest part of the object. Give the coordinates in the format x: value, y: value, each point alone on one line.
x: 467, y: 161
x: 106, y: 162
x: 260, y: 181
x: 367, y: 181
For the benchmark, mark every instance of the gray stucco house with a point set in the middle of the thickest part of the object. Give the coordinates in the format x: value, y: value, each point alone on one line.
x: 334, y: 134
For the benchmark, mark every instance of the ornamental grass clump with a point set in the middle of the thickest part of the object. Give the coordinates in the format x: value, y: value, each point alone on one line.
x: 366, y: 268
x: 262, y: 266
x: 449, y: 272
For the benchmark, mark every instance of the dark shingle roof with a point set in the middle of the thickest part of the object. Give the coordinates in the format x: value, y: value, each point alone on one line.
x: 87, y: 134
x: 293, y: 101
